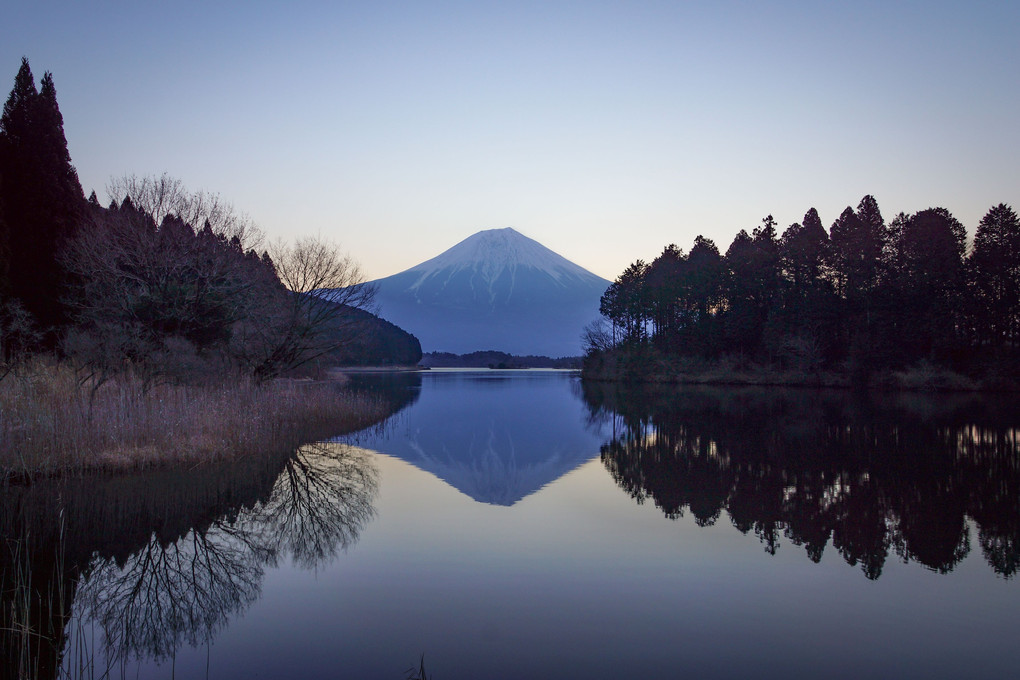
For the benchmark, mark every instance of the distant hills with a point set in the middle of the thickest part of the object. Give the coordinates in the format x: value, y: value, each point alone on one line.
x: 495, y: 290
x: 493, y: 359
x: 371, y: 341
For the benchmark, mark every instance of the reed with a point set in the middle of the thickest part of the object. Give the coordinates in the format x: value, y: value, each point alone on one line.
x: 51, y: 423
x: 419, y: 673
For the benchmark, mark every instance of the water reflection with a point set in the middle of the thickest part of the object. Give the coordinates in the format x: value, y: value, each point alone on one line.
x: 496, y: 436
x: 875, y: 475
x: 159, y: 561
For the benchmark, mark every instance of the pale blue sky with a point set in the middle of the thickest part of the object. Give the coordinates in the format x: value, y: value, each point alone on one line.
x: 604, y: 130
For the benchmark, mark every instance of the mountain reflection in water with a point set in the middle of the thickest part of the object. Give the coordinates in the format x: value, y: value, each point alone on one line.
x: 495, y: 436
x: 874, y: 474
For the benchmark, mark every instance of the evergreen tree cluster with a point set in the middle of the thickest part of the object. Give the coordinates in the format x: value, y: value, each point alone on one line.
x: 864, y: 296
x: 162, y: 281
x: 41, y: 204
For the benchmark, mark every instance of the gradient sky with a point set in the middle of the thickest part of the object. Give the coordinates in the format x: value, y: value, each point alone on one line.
x: 605, y: 130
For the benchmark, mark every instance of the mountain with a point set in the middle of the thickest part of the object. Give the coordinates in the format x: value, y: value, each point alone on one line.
x: 495, y: 290
x: 497, y: 437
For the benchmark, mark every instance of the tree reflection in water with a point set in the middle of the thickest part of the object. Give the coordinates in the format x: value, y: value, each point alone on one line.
x: 182, y: 592
x: 319, y: 505
x: 168, y: 595
x: 192, y: 556
x: 875, y: 475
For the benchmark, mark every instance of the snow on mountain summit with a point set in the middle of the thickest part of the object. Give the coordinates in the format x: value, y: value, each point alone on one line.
x: 496, y: 289
x: 491, y: 252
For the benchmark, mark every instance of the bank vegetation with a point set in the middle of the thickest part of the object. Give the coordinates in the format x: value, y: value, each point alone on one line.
x: 161, y: 327
x: 910, y: 303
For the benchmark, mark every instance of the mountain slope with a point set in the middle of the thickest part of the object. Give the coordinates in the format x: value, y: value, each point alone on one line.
x: 496, y: 289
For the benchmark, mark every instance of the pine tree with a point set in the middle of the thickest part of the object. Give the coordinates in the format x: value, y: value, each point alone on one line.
x: 926, y: 272
x: 15, y: 124
x: 41, y: 196
x: 994, y: 268
x: 53, y: 148
x: 16, y: 121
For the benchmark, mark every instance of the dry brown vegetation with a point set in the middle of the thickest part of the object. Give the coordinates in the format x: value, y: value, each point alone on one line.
x: 51, y: 423
x: 650, y: 366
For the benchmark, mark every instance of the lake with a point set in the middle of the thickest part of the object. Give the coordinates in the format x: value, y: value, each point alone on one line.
x: 510, y: 524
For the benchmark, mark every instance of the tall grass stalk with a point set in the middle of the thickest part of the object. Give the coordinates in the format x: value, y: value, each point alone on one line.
x: 51, y: 424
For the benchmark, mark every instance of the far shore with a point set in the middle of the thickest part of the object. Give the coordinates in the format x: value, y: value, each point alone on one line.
x: 374, y: 369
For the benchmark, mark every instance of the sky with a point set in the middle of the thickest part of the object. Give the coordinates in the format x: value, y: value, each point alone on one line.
x: 604, y: 130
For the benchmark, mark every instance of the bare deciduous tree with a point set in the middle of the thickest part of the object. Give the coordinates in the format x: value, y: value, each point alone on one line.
x: 309, y: 317
x: 18, y: 336
x: 171, y: 299
x: 164, y: 196
x: 597, y: 336
x: 155, y: 297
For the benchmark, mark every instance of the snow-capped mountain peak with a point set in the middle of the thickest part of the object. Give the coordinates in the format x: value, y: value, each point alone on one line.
x: 496, y: 289
x: 490, y: 253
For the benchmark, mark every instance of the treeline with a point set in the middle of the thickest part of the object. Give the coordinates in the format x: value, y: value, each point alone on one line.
x: 170, y: 283
x: 495, y: 359
x: 866, y: 295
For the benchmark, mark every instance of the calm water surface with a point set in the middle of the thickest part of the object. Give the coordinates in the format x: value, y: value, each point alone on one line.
x: 514, y: 524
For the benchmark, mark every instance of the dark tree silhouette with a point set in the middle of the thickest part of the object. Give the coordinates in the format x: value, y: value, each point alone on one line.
x: 994, y: 273
x: 41, y: 196
x: 753, y: 282
x: 627, y: 305
x: 926, y: 279
x: 867, y: 299
x: 664, y: 279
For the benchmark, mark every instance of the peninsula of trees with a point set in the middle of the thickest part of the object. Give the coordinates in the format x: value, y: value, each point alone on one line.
x: 903, y: 303
x: 111, y: 314
x: 174, y: 283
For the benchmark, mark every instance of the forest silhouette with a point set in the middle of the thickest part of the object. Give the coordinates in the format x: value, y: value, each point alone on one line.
x: 175, y: 283
x: 865, y: 296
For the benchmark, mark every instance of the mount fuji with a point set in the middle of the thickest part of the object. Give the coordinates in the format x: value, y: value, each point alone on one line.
x: 498, y: 290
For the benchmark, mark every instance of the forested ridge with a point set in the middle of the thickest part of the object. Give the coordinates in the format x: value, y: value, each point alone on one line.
x: 865, y: 298
x: 173, y: 284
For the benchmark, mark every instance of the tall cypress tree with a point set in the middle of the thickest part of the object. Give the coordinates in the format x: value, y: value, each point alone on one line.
x: 15, y: 123
x: 995, y: 278
x: 52, y: 148
x: 17, y: 116
x: 41, y: 195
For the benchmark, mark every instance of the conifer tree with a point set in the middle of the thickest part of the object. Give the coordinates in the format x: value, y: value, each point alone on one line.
x: 14, y: 126
x: 994, y: 269
x: 926, y: 277
x: 804, y: 248
x: 41, y: 195
x: 16, y: 121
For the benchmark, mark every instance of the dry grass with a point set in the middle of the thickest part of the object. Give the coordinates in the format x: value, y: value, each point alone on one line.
x: 49, y: 424
x: 926, y: 377
x: 653, y: 367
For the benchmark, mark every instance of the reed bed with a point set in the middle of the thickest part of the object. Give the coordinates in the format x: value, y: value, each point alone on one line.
x: 51, y: 423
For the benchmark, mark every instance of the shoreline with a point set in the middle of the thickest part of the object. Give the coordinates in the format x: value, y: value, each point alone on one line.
x: 53, y: 428
x: 923, y: 378
x: 343, y: 370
